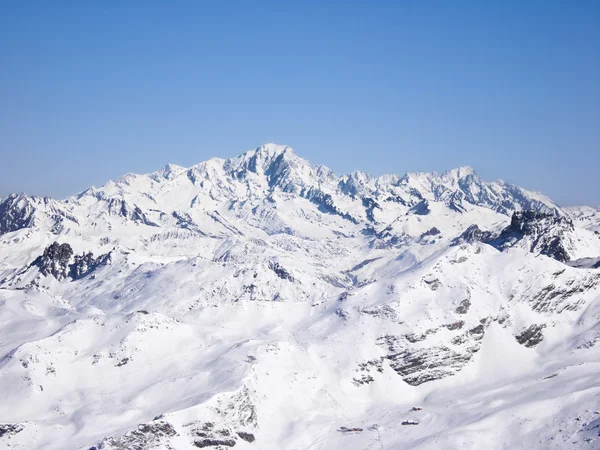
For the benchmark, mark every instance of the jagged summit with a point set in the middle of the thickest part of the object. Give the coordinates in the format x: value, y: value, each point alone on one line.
x: 275, y: 174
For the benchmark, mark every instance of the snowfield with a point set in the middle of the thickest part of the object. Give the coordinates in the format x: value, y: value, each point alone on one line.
x: 261, y: 302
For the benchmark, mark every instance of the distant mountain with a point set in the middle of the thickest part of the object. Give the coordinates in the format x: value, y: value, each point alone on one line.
x: 263, y: 302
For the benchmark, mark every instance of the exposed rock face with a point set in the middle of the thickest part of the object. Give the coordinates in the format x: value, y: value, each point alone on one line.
x: 464, y: 306
x: 326, y: 204
x: 124, y: 209
x: 9, y: 429
x: 148, y: 435
x: 85, y: 264
x: 202, y: 443
x: 473, y: 234
x: 280, y: 271
x: 418, y: 363
x: 248, y: 437
x: 16, y: 212
x: 531, y: 336
x: 542, y: 233
x: 55, y: 260
x: 420, y: 209
x: 552, y: 298
x: 370, y: 206
x: 434, y: 231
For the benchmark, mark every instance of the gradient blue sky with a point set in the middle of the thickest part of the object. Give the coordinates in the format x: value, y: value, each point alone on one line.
x: 90, y: 90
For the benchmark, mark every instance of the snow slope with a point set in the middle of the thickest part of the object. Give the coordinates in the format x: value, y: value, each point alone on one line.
x: 262, y: 302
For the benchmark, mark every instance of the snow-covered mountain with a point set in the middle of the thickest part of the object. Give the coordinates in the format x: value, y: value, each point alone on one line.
x: 262, y: 302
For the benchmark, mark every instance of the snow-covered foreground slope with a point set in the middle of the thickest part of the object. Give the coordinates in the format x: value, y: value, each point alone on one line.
x: 264, y: 303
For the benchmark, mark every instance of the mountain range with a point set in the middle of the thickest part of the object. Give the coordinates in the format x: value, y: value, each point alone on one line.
x: 262, y: 302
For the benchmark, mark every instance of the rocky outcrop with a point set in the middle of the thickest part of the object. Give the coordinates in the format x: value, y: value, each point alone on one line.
x: 531, y: 336
x: 280, y: 271
x: 420, y: 209
x: 248, y: 437
x: 558, y: 298
x: 134, y: 213
x: 418, y: 363
x: 16, y: 212
x: 464, y: 306
x: 147, y: 435
x: 209, y: 442
x: 55, y: 261
x: 473, y: 234
x: 541, y: 233
x: 326, y: 204
x: 85, y: 264
x: 10, y: 429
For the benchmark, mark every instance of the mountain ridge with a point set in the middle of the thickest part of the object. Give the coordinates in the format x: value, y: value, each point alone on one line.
x: 261, y: 302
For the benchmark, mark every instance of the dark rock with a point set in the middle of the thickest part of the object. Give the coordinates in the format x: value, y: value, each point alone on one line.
x: 326, y: 204
x: 10, y: 429
x: 420, y: 209
x: 479, y: 330
x: 85, y: 264
x: 123, y: 209
x: 146, y: 436
x: 363, y: 264
x: 248, y: 437
x: 281, y: 272
x: 473, y: 234
x: 370, y: 206
x: 546, y: 232
x: 456, y: 325
x: 417, y: 364
x: 343, y: 296
x: 350, y: 430
x: 16, y: 212
x: 341, y: 314
x: 433, y: 283
x: 214, y: 442
x: 464, y: 306
x: 55, y: 260
x: 364, y: 370
x: 431, y: 232
x: 387, y: 239
x: 557, y: 298
x: 185, y: 221
x: 456, y: 206
x: 531, y: 336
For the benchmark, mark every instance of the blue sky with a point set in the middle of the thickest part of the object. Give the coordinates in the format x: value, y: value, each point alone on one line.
x: 91, y: 90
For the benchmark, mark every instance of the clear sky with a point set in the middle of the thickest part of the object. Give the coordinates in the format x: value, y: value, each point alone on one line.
x: 90, y: 90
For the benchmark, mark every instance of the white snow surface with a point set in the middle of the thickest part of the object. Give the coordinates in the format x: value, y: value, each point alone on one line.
x: 262, y: 296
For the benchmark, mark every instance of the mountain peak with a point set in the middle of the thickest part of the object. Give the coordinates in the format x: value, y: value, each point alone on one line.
x: 275, y: 149
x: 459, y: 172
x: 168, y: 171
